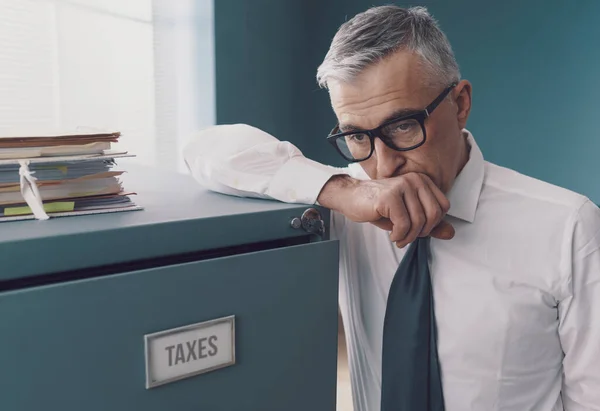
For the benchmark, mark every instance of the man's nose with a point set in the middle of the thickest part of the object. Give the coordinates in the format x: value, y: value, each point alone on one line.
x: 389, y: 161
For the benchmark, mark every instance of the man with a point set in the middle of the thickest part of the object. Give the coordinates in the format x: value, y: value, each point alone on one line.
x: 515, y: 262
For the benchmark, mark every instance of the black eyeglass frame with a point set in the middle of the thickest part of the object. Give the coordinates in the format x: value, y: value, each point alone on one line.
x: 420, y: 116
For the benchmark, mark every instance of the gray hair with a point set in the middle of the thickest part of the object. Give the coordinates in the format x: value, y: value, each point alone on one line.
x: 373, y: 35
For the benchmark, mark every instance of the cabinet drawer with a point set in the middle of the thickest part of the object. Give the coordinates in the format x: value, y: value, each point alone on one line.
x: 80, y: 345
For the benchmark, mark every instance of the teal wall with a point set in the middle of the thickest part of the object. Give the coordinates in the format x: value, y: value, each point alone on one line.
x: 265, y: 70
x: 534, y: 65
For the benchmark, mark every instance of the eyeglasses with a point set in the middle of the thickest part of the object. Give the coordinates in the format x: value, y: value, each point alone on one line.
x: 401, y: 134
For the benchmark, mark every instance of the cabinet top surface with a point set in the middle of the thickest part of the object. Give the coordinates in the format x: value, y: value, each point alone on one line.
x: 167, y: 198
x: 179, y: 217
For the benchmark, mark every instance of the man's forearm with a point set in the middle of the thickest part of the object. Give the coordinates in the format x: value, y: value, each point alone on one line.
x: 245, y: 161
x: 335, y: 193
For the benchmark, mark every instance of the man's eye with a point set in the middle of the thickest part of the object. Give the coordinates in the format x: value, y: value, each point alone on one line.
x: 403, y: 126
x: 357, y: 138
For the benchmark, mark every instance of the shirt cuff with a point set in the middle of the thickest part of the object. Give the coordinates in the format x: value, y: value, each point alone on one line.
x: 300, y: 180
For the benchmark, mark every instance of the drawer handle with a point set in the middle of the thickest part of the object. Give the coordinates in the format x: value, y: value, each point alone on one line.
x: 310, y: 221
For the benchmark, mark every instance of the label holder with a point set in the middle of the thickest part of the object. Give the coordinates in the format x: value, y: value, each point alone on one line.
x: 148, y: 338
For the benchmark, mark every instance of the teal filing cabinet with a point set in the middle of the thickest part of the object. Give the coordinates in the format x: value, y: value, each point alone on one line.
x: 200, y: 302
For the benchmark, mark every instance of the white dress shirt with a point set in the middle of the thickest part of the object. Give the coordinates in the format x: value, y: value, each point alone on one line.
x: 517, y: 290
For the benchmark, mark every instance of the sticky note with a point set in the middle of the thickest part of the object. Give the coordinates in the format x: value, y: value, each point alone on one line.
x: 57, y: 207
x: 62, y: 169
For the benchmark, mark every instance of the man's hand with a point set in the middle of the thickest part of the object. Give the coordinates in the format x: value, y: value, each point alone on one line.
x: 409, y: 206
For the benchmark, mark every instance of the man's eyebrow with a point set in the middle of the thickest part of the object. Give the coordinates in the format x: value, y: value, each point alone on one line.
x: 344, y: 127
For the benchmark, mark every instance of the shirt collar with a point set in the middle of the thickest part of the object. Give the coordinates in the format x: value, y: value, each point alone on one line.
x: 464, y: 194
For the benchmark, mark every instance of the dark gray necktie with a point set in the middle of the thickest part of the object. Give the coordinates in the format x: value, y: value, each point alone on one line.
x: 410, y: 379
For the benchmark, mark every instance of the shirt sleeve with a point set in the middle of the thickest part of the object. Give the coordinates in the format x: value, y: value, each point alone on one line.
x: 244, y: 161
x: 579, y: 315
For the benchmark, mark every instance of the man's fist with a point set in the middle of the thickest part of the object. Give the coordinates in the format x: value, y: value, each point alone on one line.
x: 409, y: 206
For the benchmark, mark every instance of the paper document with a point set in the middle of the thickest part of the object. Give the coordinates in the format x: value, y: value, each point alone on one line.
x: 48, y: 173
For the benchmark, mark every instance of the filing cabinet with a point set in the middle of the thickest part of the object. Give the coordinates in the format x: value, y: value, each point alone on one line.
x: 199, y: 302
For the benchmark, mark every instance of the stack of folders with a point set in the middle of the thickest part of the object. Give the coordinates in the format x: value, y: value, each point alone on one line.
x: 61, y: 174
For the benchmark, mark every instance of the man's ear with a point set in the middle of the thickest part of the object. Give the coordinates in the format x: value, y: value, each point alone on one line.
x: 462, y: 97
